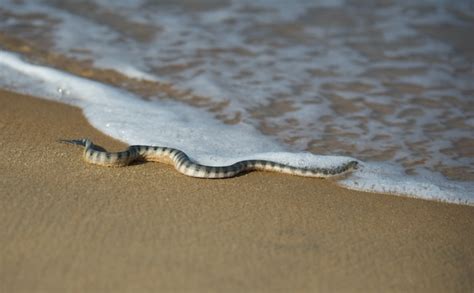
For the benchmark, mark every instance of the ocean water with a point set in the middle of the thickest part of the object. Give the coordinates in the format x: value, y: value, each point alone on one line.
x: 307, y: 83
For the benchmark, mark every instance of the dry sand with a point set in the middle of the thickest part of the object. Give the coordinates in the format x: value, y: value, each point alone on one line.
x: 67, y: 226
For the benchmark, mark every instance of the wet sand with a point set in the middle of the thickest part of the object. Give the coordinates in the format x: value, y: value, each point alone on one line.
x: 72, y: 227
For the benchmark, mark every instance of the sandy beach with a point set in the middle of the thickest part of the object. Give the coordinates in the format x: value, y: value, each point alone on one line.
x: 72, y: 227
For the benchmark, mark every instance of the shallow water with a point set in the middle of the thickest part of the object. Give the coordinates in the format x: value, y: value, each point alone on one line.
x: 391, y: 82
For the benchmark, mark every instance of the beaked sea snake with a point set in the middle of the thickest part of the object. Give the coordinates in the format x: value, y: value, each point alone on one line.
x: 96, y: 155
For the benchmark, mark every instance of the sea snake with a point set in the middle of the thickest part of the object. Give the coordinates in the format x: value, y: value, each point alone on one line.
x: 97, y: 155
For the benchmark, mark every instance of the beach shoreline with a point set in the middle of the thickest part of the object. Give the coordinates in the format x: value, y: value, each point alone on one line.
x: 70, y: 226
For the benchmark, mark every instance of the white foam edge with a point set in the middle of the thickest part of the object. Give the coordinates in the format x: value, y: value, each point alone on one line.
x: 388, y: 178
x: 130, y: 119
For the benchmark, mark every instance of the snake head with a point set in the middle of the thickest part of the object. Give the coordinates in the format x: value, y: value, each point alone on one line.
x: 84, y: 142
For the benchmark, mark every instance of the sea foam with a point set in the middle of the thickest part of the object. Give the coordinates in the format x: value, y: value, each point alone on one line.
x: 314, y: 75
x: 128, y: 118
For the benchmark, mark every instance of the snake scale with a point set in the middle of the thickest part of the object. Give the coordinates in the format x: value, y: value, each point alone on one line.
x: 96, y: 155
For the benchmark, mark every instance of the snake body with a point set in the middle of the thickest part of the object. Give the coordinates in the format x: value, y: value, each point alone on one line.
x: 96, y: 155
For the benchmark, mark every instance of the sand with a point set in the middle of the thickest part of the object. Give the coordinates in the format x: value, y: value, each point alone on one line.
x: 67, y: 226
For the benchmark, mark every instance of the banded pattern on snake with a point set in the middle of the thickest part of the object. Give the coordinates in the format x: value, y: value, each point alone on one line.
x: 96, y: 155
